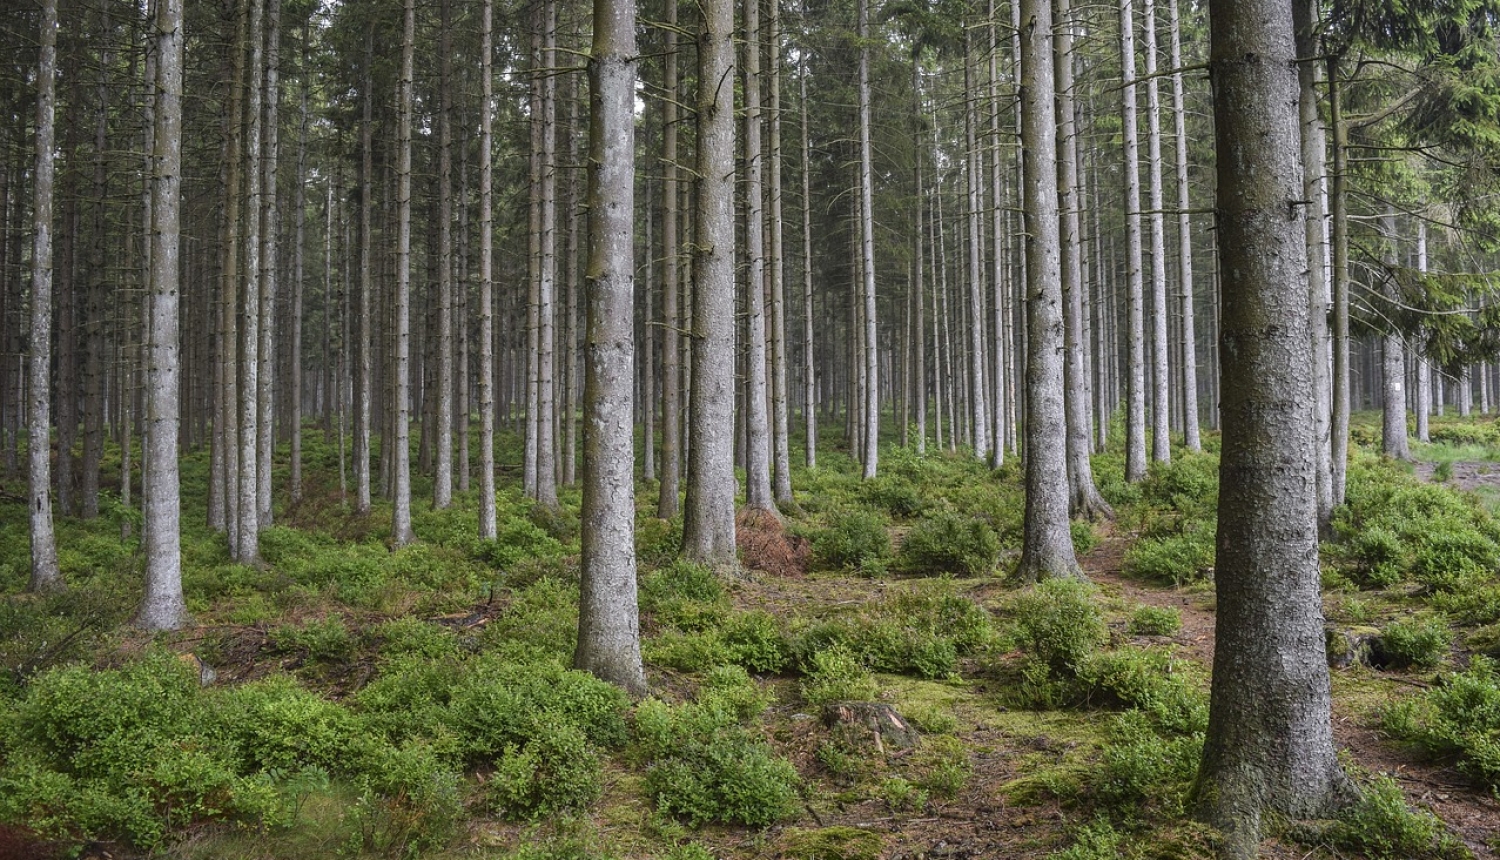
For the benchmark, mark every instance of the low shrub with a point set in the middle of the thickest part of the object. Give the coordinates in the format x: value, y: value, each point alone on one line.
x: 1459, y: 719
x: 1174, y: 558
x: 852, y: 539
x: 326, y: 639
x: 1148, y: 680
x: 1140, y: 766
x: 950, y: 543
x: 684, y: 596
x: 555, y: 771
x: 835, y: 675
x: 1059, y: 624
x: 499, y: 704
x: 1420, y: 642
x: 1155, y: 621
x: 1380, y: 826
x: 893, y: 494
x: 922, y: 632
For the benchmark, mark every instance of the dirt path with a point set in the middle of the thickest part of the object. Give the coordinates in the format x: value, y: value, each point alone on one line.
x: 1470, y: 812
x: 1466, y: 475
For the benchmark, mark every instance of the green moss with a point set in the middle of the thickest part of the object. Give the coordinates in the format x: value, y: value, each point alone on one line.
x: 832, y: 843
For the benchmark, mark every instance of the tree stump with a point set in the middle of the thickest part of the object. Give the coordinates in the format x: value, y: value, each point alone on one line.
x: 873, y: 723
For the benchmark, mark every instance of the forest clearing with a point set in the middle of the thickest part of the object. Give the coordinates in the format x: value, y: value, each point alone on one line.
x: 343, y: 698
x: 835, y: 430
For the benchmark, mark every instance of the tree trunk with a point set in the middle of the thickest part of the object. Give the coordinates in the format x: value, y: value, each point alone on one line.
x: 781, y: 456
x: 757, y: 421
x: 162, y: 607
x: 1392, y: 365
x: 442, y: 480
x: 247, y: 477
x: 1314, y: 143
x: 1189, y: 369
x: 95, y: 339
x: 1270, y: 742
x: 401, y: 533
x: 809, y: 367
x: 708, y: 523
x: 871, y: 454
x: 1424, y: 373
x: 919, y: 267
x: 44, y: 571
x: 1161, y: 440
x: 265, y: 431
x: 1339, y: 218
x: 1083, y: 496
x: 979, y: 426
x: 487, y: 525
x: 1047, y: 541
x: 671, y: 348
x: 1135, y: 394
x: 608, y: 625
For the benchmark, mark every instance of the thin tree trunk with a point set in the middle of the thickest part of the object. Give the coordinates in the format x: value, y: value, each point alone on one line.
x: 265, y: 432
x: 247, y: 529
x: 608, y: 627
x: 757, y: 422
x: 1269, y: 744
x: 487, y: 525
x: 1338, y: 211
x: 781, y: 456
x: 401, y: 533
x: 296, y: 375
x: 1135, y: 394
x: 973, y: 176
x: 1393, y: 365
x: 1314, y: 143
x: 671, y: 347
x: 45, y: 575
x: 919, y: 270
x: 1424, y: 373
x: 1161, y: 440
x: 809, y: 372
x: 162, y: 606
x: 708, y: 524
x: 95, y: 339
x: 1083, y: 496
x: 442, y: 480
x: 871, y: 434
x: 1189, y: 369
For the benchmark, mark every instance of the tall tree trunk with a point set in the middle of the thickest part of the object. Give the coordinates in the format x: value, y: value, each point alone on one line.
x: 296, y: 375
x: 1135, y: 393
x: 708, y: 523
x: 999, y: 265
x: 1393, y: 364
x: 1161, y: 440
x: 608, y: 627
x: 1083, y: 496
x: 546, y: 335
x: 781, y: 455
x: 1270, y: 742
x: 487, y: 525
x: 757, y: 421
x: 401, y: 533
x: 671, y: 347
x: 363, y: 368
x: 45, y: 575
x: 247, y: 529
x: 979, y: 426
x: 1189, y: 369
x: 809, y: 367
x: 265, y: 432
x: 162, y: 606
x: 1424, y: 372
x: 95, y: 336
x: 224, y: 515
x: 1047, y: 540
x: 919, y: 268
x: 442, y: 481
x: 1314, y: 143
x: 871, y: 455
x: 1339, y: 218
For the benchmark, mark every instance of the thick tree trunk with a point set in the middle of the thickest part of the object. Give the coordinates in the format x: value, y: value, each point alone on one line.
x: 401, y: 533
x: 1083, y: 496
x: 1270, y: 742
x: 1135, y: 388
x: 44, y: 571
x: 608, y: 626
x: 162, y: 606
x: 1047, y: 540
x: 708, y: 523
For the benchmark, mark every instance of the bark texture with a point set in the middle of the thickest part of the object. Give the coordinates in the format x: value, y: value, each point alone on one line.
x: 1270, y: 743
x: 44, y: 570
x: 608, y: 622
x: 1046, y: 542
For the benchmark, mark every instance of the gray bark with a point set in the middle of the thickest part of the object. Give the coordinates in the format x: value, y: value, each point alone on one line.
x: 757, y: 420
x: 401, y: 533
x: 1189, y: 371
x: 781, y: 455
x: 363, y: 365
x: 1339, y: 218
x: 442, y: 479
x: 1083, y: 496
x: 270, y: 232
x: 1161, y: 440
x: 979, y: 426
x: 44, y: 571
x: 809, y: 368
x: 162, y: 606
x: 1314, y: 142
x: 1270, y: 744
x: 246, y: 533
x: 1424, y: 372
x: 487, y: 525
x: 671, y: 348
x: 871, y: 435
x: 1135, y: 387
x: 708, y: 523
x: 608, y: 625
x: 1047, y: 541
x: 1393, y: 438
